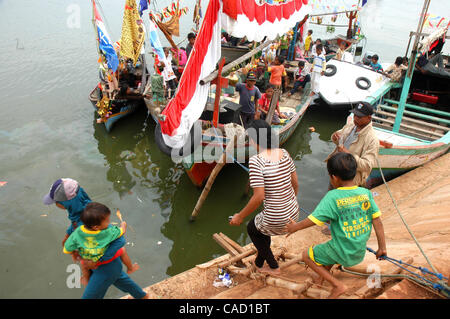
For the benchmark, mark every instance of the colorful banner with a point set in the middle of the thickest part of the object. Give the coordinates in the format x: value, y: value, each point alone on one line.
x: 155, y: 42
x: 133, y: 33
x: 105, y: 44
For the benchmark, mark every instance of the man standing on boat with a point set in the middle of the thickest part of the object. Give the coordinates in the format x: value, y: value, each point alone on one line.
x: 359, y: 139
x: 249, y: 95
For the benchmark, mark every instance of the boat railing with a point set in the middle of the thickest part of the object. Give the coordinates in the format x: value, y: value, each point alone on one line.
x: 416, y: 122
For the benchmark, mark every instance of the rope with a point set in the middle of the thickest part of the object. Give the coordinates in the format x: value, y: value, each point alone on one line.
x: 401, y: 217
x: 422, y: 279
x: 399, y: 276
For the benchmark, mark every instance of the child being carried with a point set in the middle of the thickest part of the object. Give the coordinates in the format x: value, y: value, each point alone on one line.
x: 93, y: 238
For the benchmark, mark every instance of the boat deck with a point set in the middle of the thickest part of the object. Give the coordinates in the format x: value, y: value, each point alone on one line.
x: 423, y: 197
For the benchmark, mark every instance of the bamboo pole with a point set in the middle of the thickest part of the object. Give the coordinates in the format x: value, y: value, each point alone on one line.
x: 212, y: 178
x: 317, y: 293
x: 273, y: 105
x: 225, y: 245
x: 231, y: 65
x: 283, y: 283
x: 237, y: 258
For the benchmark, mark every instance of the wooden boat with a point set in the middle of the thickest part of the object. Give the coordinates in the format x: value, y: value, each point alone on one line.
x: 332, y: 46
x: 231, y: 53
x: 208, y: 142
x: 199, y: 170
x: 410, y: 135
x: 122, y: 107
x: 345, y: 84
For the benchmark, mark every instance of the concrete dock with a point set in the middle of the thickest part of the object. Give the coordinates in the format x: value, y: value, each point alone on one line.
x: 423, y: 198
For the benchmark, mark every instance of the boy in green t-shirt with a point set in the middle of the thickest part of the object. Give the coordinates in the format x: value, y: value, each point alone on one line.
x: 352, y: 211
x: 93, y: 238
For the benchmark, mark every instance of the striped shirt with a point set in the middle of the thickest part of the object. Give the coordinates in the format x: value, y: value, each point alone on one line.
x: 319, y: 63
x: 280, y: 202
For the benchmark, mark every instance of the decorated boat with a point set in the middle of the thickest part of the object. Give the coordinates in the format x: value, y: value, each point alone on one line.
x: 410, y: 135
x: 123, y: 72
x: 183, y: 126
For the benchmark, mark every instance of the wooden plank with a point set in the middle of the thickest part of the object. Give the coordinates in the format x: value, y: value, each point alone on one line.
x: 235, y: 245
x: 406, y: 132
x: 237, y: 258
x: 440, y: 127
x: 232, y: 251
x: 403, y: 125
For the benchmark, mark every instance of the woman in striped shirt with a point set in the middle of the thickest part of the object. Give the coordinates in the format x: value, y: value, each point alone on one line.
x: 274, y: 181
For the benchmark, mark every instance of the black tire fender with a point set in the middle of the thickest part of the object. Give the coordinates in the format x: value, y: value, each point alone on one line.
x: 363, y: 79
x: 332, y: 68
x: 195, y: 137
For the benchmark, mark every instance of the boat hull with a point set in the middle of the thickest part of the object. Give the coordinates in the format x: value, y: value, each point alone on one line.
x: 199, y: 171
x: 399, y: 159
x: 128, y: 108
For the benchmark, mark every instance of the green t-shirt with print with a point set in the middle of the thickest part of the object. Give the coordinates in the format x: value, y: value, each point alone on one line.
x: 91, y: 245
x: 350, y: 211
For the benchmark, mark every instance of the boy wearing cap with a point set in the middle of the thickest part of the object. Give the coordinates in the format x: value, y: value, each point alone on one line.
x: 249, y: 95
x: 359, y: 139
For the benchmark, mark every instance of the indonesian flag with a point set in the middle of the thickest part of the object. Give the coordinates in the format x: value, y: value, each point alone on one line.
x: 105, y: 43
x: 239, y: 18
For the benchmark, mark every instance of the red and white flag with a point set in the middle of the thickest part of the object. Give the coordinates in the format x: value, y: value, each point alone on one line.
x: 238, y: 18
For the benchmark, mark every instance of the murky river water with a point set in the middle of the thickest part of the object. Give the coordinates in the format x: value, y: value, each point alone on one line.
x: 48, y: 131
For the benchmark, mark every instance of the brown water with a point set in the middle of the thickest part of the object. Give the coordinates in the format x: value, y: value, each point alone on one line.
x: 48, y: 131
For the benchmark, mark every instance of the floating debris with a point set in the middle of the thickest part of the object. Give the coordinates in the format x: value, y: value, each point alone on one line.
x: 159, y: 242
x: 3, y: 183
x: 312, y: 129
x: 44, y: 215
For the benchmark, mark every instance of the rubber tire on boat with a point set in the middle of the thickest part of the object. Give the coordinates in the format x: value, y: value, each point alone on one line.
x: 363, y: 79
x: 333, y: 69
x: 195, y: 135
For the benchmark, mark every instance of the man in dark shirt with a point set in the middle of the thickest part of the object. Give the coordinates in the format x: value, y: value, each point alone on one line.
x: 190, y: 46
x: 249, y: 95
x: 425, y: 65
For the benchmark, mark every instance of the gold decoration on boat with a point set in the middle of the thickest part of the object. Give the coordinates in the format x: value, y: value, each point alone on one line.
x: 104, y: 108
x: 133, y: 34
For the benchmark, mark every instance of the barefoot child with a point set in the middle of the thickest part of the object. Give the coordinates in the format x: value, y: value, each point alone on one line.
x: 93, y: 238
x: 352, y: 212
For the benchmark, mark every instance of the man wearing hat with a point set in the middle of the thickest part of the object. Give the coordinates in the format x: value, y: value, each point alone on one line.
x: 249, y: 95
x: 359, y: 139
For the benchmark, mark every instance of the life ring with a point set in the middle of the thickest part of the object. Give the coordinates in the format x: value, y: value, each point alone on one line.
x: 363, y: 79
x: 195, y: 136
x: 331, y: 67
